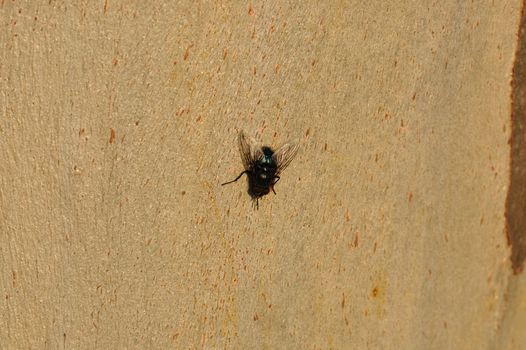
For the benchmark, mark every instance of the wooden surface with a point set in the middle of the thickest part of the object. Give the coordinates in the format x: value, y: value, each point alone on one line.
x: 388, y: 231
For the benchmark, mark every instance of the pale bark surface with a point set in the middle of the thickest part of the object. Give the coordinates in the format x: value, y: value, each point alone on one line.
x: 388, y: 231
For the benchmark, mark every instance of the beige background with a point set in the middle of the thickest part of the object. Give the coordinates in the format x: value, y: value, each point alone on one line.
x: 118, y: 124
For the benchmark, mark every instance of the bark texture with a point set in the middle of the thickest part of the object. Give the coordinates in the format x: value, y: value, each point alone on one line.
x: 388, y: 231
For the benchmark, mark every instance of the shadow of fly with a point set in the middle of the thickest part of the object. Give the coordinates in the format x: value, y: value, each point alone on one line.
x: 263, y: 166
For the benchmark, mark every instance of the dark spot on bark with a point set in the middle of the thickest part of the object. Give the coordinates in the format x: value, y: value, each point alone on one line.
x: 515, y: 201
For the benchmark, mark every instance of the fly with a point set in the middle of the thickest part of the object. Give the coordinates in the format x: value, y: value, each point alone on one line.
x: 263, y: 166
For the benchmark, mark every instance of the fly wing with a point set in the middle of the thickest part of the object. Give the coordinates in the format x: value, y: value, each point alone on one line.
x: 285, y: 154
x: 249, y: 150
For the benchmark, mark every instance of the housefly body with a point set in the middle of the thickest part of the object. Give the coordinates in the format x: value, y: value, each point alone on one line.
x: 263, y: 166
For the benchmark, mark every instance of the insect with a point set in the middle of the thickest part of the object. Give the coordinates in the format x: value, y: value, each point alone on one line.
x: 263, y: 165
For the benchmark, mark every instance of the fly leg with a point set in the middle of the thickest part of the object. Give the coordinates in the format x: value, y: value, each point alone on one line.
x: 255, y: 203
x: 275, y: 182
x: 237, y: 178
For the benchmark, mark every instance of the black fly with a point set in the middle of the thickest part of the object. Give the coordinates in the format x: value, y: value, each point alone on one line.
x: 263, y: 165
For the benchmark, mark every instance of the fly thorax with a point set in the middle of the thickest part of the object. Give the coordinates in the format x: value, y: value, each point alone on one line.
x: 266, y: 160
